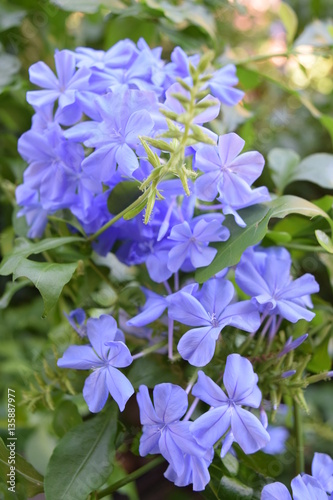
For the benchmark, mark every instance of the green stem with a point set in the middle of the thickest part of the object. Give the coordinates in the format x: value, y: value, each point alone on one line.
x: 118, y: 217
x: 150, y: 349
x: 299, y: 438
x: 260, y: 57
x: 130, y: 477
x: 305, y: 248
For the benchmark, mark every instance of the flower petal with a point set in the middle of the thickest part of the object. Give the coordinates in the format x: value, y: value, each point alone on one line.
x: 170, y: 402
x: 248, y: 431
x: 95, y: 390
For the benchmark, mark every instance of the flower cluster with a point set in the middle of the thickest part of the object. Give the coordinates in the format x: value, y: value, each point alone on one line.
x: 127, y: 119
x: 86, y: 138
x: 187, y: 446
x: 319, y: 486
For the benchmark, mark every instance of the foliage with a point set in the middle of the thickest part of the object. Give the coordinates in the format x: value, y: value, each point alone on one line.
x: 283, y: 55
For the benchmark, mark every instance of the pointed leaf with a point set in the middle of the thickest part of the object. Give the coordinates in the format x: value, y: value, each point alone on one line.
x: 25, y: 247
x: 256, y: 219
x: 48, y: 278
x: 289, y: 20
x: 282, y: 163
x: 83, y: 459
x: 25, y: 473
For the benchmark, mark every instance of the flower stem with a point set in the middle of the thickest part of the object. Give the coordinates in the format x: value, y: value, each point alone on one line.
x: 170, y: 339
x: 150, y: 349
x: 299, y: 438
x: 129, y: 478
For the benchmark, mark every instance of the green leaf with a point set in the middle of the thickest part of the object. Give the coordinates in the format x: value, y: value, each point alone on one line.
x: 83, y: 459
x: 152, y: 370
x: 25, y: 473
x: 320, y: 360
x: 256, y: 219
x: 260, y: 462
x: 327, y: 122
x: 317, y: 168
x: 324, y: 241
x: 25, y: 247
x: 223, y: 487
x: 9, y: 17
x: 289, y: 20
x: 188, y: 12
x: 281, y: 164
x: 87, y: 6
x: 10, y: 66
x: 248, y: 79
x: 123, y: 195
x: 66, y: 416
x: 10, y: 290
x: 48, y: 278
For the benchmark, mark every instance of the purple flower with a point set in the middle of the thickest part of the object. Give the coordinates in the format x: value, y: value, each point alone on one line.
x: 195, y: 471
x: 104, y: 356
x: 76, y: 319
x: 193, y: 243
x: 279, y: 436
x: 226, y: 171
x: 291, y: 344
x: 209, y: 313
x: 303, y: 487
x: 306, y: 487
x: 155, y: 306
x: 120, y: 55
x: 163, y: 432
x: 65, y: 88
x: 322, y: 470
x: 123, y: 118
x: 222, y: 83
x: 264, y: 274
x: 240, y: 382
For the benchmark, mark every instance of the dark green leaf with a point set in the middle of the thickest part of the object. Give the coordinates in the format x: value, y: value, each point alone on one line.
x: 48, y: 278
x: 66, y: 416
x: 122, y: 196
x: 83, y: 459
x: 152, y: 370
x: 25, y: 473
x: 10, y: 290
x: 256, y: 218
x: 25, y: 247
x: 320, y: 360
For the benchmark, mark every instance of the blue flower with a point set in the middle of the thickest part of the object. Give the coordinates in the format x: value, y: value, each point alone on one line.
x: 304, y: 486
x: 193, y: 243
x: 163, y: 432
x: 124, y: 116
x: 264, y: 274
x: 65, y: 88
x: 195, y: 471
x: 104, y: 356
x: 240, y: 382
x: 222, y: 83
x: 322, y: 470
x: 209, y: 313
x: 229, y: 174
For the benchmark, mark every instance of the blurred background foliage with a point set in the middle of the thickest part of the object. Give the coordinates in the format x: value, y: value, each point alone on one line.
x: 288, y: 104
